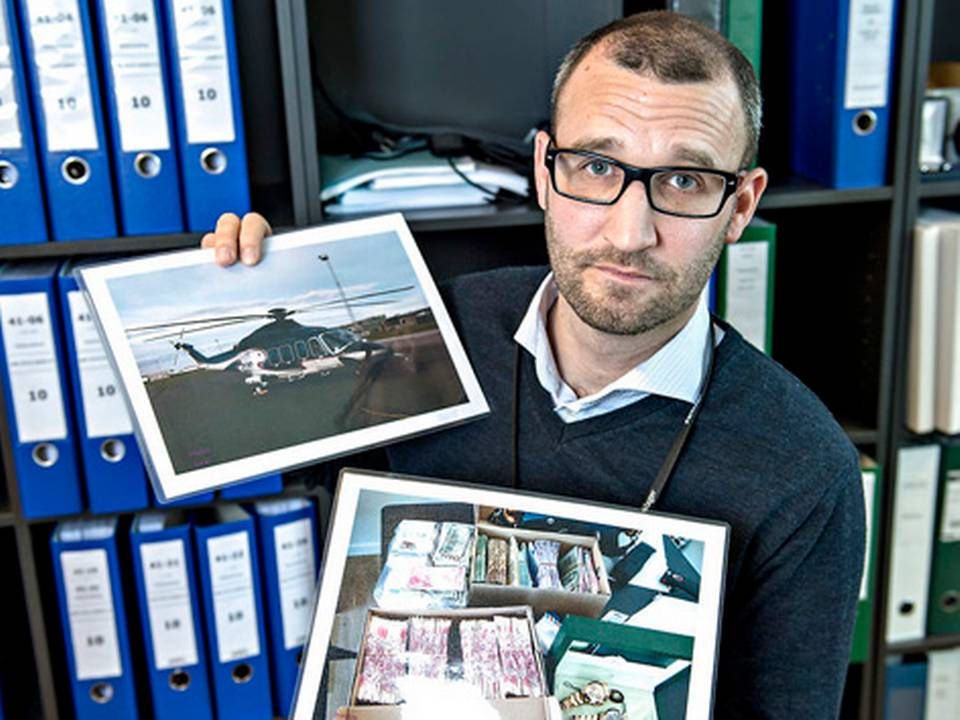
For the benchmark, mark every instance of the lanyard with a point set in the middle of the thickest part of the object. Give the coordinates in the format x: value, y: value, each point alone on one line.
x: 679, y: 440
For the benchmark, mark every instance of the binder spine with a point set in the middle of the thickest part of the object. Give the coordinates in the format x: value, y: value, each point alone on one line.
x: 21, y: 194
x: 138, y: 109
x: 66, y: 103
x: 34, y: 388
x: 209, y: 115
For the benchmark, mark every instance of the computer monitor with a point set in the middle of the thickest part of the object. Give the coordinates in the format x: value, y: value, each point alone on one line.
x: 478, y: 68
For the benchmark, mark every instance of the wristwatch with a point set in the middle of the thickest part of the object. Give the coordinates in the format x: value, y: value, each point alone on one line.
x: 594, y: 692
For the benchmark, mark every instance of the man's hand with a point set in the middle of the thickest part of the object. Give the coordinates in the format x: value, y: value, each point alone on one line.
x: 235, y: 238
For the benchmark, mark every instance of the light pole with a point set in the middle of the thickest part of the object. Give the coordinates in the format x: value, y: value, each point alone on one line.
x: 323, y: 257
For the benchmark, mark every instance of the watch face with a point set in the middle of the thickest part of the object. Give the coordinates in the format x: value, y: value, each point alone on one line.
x: 615, y: 696
x: 595, y: 692
x: 612, y: 714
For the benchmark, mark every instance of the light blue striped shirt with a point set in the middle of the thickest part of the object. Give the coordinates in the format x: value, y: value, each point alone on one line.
x: 674, y: 371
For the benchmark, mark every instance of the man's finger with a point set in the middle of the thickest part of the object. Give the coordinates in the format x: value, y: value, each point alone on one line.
x: 225, y: 238
x: 253, y: 230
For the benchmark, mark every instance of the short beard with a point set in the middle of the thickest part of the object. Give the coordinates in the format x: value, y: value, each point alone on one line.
x: 617, y: 311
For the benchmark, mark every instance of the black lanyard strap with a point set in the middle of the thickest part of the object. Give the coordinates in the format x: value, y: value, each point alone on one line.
x: 676, y: 448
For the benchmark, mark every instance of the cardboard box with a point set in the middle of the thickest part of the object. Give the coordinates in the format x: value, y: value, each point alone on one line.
x: 509, y: 708
x: 545, y: 708
x: 564, y: 602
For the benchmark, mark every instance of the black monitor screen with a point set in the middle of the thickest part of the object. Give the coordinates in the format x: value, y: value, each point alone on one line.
x: 481, y: 67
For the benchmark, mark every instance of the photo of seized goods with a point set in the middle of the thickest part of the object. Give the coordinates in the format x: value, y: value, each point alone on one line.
x: 449, y: 600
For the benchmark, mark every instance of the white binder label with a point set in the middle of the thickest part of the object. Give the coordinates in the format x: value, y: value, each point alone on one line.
x: 204, y: 71
x: 168, y: 604
x: 914, y: 500
x: 234, y: 609
x: 10, y: 136
x: 93, y: 625
x: 869, y: 478
x: 61, y: 60
x: 137, y: 74
x: 746, y: 290
x: 32, y: 364
x: 943, y: 685
x: 868, y: 53
x: 297, y: 577
x: 950, y: 525
x: 104, y: 408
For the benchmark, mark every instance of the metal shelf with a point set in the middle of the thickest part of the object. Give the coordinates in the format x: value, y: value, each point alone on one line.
x: 937, y: 642
x: 289, y: 491
x: 940, y: 187
x: 862, y: 435
x: 133, y: 244
x: 793, y: 193
x: 798, y: 193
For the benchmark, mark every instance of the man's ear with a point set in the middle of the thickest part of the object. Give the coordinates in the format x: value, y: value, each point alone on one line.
x: 746, y: 199
x: 541, y: 175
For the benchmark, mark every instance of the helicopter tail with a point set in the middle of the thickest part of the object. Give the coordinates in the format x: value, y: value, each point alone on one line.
x: 197, y: 356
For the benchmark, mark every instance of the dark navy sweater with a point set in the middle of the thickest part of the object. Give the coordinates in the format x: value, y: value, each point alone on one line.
x: 765, y: 456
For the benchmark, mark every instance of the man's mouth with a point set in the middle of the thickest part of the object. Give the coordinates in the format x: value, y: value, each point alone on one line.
x: 623, y: 274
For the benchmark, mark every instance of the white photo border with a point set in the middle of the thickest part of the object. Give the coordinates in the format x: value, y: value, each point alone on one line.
x: 171, y: 485
x: 353, y: 482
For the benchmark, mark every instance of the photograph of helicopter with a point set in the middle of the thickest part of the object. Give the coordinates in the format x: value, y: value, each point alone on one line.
x: 336, y: 342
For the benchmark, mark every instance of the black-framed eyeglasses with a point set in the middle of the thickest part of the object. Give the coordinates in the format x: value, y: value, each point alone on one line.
x: 590, y: 177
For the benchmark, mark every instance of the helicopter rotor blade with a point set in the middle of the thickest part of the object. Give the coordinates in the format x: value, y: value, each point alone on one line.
x: 186, y: 331
x: 312, y: 309
x: 183, y: 323
x: 345, y: 300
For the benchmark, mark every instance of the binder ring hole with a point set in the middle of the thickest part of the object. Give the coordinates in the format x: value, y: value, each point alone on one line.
x: 864, y: 122
x: 75, y: 170
x: 45, y: 454
x: 147, y: 165
x: 113, y: 450
x: 242, y: 673
x: 101, y: 693
x: 179, y: 680
x: 906, y: 608
x: 8, y: 175
x: 213, y: 161
x: 950, y: 601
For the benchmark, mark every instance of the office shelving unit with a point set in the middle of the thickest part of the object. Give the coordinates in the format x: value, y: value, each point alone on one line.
x: 843, y: 277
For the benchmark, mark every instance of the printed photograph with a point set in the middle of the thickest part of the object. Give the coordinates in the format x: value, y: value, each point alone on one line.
x: 320, y: 342
x: 510, y: 606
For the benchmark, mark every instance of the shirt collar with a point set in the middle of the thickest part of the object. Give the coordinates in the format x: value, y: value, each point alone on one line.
x: 674, y: 371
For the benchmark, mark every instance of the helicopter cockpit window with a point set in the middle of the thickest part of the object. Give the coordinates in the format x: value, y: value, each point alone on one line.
x: 316, y: 349
x: 286, y: 353
x: 274, y: 356
x: 302, y: 351
x: 337, y: 340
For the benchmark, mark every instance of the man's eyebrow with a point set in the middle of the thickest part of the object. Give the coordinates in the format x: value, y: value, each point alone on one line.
x: 685, y: 153
x: 597, y: 144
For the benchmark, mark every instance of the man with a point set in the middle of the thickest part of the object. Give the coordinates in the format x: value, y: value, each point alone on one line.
x: 591, y: 371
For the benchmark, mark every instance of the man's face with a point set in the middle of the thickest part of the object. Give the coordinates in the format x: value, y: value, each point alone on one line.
x: 625, y: 268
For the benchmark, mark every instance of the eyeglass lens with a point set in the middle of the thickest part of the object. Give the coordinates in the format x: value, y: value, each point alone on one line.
x: 594, y: 179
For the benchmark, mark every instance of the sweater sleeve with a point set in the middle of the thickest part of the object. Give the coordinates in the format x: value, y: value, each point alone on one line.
x: 785, y: 652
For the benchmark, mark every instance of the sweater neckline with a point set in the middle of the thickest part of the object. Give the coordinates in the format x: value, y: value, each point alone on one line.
x: 560, y: 432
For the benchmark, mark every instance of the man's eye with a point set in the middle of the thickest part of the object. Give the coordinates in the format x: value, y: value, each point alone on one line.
x: 684, y: 181
x: 597, y: 168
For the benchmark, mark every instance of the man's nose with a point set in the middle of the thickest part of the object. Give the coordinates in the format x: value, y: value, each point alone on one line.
x: 630, y: 222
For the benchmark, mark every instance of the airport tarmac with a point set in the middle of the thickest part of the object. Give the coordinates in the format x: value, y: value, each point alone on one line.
x: 209, y: 417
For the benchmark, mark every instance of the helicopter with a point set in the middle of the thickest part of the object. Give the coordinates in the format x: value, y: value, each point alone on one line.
x: 282, y: 349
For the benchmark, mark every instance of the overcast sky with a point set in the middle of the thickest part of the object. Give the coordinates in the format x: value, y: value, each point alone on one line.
x: 289, y: 278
